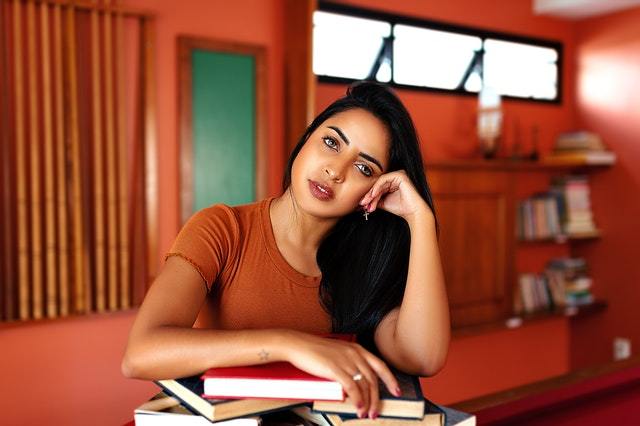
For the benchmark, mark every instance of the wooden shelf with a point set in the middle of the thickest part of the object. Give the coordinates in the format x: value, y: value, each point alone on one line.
x: 562, y: 239
x: 518, y: 321
x: 512, y: 165
x: 540, y: 388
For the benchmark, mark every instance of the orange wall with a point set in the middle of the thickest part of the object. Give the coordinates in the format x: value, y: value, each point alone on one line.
x: 500, y: 360
x: 608, y: 102
x: 67, y: 372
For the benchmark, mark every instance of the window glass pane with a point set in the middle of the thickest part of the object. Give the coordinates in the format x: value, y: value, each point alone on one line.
x: 522, y: 70
x: 344, y: 46
x: 424, y: 57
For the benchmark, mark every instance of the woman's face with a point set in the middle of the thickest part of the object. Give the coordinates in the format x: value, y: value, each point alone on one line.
x: 339, y: 163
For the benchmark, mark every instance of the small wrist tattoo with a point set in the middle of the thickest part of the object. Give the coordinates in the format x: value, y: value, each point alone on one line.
x: 264, y: 355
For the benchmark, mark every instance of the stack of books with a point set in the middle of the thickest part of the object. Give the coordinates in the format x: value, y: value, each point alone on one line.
x: 563, y: 211
x: 580, y: 147
x: 570, y: 277
x: 539, y: 218
x: 533, y: 294
x: 268, y: 393
x: 563, y: 284
x: 573, y: 196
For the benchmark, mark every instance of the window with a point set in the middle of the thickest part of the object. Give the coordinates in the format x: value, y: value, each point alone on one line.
x: 353, y: 44
x: 347, y: 46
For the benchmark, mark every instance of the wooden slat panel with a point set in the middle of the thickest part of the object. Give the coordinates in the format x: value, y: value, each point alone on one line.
x: 21, y: 178
x: 150, y: 149
x: 112, y: 224
x: 34, y: 166
x: 61, y: 178
x: 124, y: 251
x: 89, y: 5
x: 49, y: 180
x: 137, y: 222
x: 98, y: 169
x: 49, y: 200
x: 7, y: 172
x: 79, y: 254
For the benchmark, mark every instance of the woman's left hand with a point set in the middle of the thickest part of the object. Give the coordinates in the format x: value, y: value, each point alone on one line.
x: 395, y: 193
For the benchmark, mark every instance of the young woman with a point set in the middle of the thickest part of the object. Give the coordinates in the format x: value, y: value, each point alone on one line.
x: 349, y: 247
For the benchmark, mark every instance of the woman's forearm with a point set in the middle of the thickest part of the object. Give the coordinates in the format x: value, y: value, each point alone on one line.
x: 170, y: 351
x: 422, y: 330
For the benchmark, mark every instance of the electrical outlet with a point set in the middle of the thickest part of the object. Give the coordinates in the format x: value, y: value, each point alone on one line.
x: 621, y: 348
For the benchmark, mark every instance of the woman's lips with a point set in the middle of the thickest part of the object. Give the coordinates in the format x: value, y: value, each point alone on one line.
x: 321, y: 192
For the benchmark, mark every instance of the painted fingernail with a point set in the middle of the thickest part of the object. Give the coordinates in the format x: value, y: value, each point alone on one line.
x: 398, y: 392
x: 374, y: 415
x: 360, y: 414
x: 360, y: 404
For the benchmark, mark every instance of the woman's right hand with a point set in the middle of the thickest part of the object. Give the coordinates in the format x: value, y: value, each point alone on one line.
x: 341, y: 361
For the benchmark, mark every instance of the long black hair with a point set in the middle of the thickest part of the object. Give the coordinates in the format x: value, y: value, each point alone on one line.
x: 364, y: 264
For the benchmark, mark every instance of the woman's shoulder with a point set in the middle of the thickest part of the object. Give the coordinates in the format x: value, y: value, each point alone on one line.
x: 228, y: 216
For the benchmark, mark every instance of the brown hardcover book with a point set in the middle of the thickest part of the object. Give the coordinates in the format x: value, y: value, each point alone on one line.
x: 434, y: 415
x: 189, y: 391
x: 410, y: 405
x: 165, y: 410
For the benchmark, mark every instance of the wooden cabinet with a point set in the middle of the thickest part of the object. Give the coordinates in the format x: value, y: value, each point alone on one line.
x: 476, y: 208
x: 475, y: 211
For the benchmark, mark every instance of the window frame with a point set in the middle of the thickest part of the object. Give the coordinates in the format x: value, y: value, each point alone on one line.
x: 393, y: 19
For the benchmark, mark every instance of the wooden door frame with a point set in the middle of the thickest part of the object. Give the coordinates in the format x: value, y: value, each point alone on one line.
x: 186, y: 44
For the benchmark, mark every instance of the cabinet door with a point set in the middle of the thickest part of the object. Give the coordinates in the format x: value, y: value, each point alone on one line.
x: 475, y: 210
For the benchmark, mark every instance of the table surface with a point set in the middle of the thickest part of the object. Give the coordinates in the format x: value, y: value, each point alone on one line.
x: 605, y: 394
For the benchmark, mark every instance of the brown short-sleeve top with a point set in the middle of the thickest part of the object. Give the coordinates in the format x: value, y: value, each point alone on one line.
x: 250, y: 283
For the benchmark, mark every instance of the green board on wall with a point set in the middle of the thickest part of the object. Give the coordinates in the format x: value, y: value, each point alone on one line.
x: 224, y: 129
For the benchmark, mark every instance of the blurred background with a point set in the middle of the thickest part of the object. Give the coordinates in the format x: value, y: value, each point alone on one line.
x: 119, y: 119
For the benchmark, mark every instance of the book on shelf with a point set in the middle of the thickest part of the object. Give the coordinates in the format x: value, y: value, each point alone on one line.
x: 579, y: 140
x: 409, y: 405
x: 538, y: 218
x: 580, y: 148
x: 534, y: 294
x: 563, y: 211
x: 563, y: 284
x: 165, y: 410
x: 271, y: 380
x: 594, y: 158
x: 575, y: 210
x: 571, y: 275
x: 190, y: 390
x: 433, y: 415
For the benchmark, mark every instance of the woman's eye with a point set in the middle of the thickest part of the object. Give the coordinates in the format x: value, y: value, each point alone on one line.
x: 330, y: 142
x: 366, y: 170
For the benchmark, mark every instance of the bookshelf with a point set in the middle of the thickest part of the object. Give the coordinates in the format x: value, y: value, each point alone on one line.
x: 482, y: 256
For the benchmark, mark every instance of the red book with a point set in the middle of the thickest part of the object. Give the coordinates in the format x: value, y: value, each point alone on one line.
x: 276, y: 380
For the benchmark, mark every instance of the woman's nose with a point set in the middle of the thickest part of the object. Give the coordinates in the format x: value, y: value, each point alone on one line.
x: 334, y: 174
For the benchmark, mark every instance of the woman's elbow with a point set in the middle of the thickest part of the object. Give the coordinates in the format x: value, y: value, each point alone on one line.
x: 431, y: 369
x: 132, y: 366
x: 430, y: 365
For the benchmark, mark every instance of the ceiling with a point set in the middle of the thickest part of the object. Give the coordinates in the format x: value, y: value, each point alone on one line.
x: 579, y: 9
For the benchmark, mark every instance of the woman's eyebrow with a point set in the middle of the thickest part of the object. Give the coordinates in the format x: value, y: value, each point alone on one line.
x: 362, y: 154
